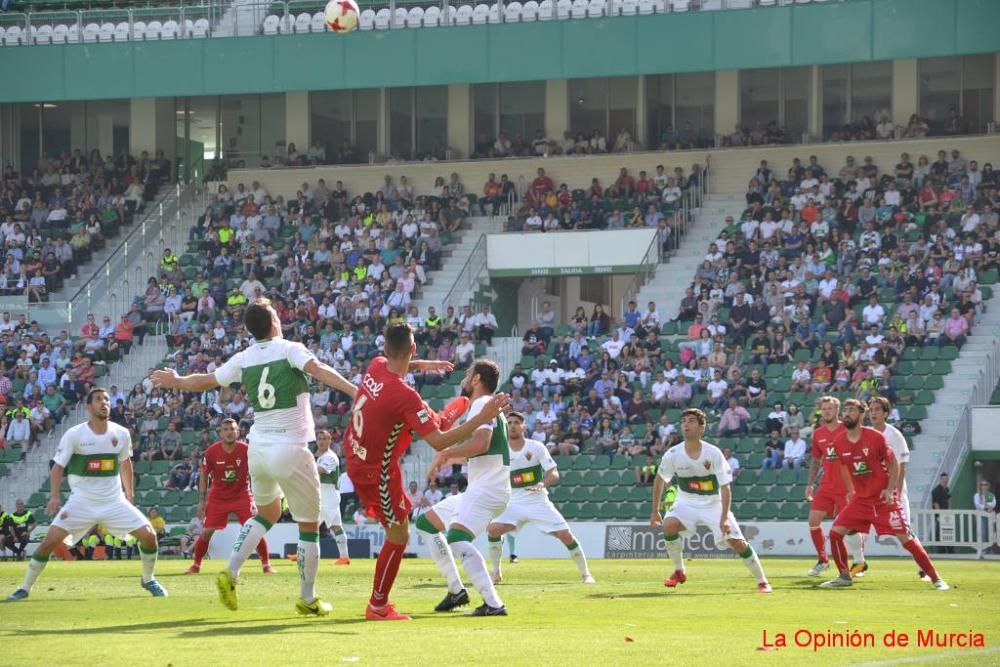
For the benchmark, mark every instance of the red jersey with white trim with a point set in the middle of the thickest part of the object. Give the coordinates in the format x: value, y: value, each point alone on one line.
x: 386, y: 414
x: 867, y: 462
x: 229, y: 472
x: 823, y: 448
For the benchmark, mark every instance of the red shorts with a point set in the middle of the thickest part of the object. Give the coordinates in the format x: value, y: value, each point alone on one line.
x: 828, y: 503
x: 384, y: 498
x: 217, y: 512
x: 860, y: 515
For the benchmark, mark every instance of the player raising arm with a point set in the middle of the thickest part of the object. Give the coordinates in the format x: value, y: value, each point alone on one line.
x: 386, y: 414
x: 871, y: 472
x: 97, y: 457
x: 703, y: 498
x: 274, y: 372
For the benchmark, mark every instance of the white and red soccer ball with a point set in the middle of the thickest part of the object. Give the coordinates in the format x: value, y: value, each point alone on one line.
x: 342, y: 16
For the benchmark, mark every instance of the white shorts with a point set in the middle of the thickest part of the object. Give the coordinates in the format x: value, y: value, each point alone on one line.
x: 691, y: 516
x: 474, y: 509
x: 904, y: 503
x: 117, y: 516
x: 289, y: 470
x: 329, y: 512
x: 532, y: 507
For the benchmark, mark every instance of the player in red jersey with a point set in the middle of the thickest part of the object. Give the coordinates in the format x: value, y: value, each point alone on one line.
x: 386, y: 413
x: 226, y: 463
x: 870, y: 472
x: 831, y: 496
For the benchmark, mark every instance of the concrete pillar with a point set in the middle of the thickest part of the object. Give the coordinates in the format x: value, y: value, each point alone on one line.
x: 905, y: 90
x: 727, y: 101
x: 639, y: 133
x: 152, y: 127
x: 460, y: 120
x: 382, y: 145
x: 556, y: 107
x: 815, y: 126
x: 297, y: 122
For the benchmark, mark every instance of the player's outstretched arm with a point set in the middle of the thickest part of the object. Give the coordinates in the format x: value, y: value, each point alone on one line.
x: 813, y: 473
x: 551, y: 478
x: 427, y: 366
x: 440, y: 440
x: 55, y: 481
x: 330, y: 377
x: 167, y: 378
x: 478, y: 443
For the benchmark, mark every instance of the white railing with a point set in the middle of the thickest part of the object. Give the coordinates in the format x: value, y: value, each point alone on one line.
x: 965, y: 529
x: 467, y: 278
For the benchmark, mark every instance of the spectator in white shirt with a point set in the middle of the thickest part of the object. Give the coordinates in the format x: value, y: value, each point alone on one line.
x: 613, y: 346
x: 873, y: 313
x: 19, y: 431
x: 795, y: 450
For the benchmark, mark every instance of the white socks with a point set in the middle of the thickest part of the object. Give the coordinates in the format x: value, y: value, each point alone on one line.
x: 341, y: 538
x: 496, y: 553
x: 35, y: 567
x: 148, y: 559
x: 675, y: 549
x: 576, y: 553
x: 246, y: 543
x: 307, y: 559
x: 475, y: 567
x: 856, y: 545
x: 445, y: 561
x: 749, y: 558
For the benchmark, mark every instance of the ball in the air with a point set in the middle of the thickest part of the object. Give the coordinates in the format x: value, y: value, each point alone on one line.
x: 342, y: 15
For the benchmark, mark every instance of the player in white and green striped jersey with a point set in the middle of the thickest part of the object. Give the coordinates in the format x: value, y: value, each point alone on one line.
x: 532, y: 471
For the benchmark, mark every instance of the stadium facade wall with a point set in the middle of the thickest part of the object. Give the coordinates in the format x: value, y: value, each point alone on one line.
x: 857, y: 31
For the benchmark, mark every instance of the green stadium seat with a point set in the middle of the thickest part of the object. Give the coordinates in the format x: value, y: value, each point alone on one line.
x: 570, y: 511
x: 930, y: 353
x: 146, y: 483
x: 748, y: 510
x: 189, y: 498
x: 599, y: 494
x: 620, y: 463
x: 160, y: 467
x: 619, y: 494
x: 588, y: 511
x: 37, y: 499
x: 913, y: 412
x: 589, y: 462
x: 788, y: 477
x: 767, y: 511
x: 745, y: 445
x: 754, y: 461
x: 758, y: 493
x: 639, y: 494
x: 924, y: 397
x: 905, y: 367
x: 745, y: 478
x: 941, y: 367
x: 592, y: 477
x: 789, y: 511
x: 580, y: 494
x: 933, y: 382
x: 170, y: 498
x: 572, y: 478
x: 768, y: 476
x: 608, y: 512
x: 563, y: 462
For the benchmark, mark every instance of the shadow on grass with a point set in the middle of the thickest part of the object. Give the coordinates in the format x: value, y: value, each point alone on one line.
x: 194, y: 628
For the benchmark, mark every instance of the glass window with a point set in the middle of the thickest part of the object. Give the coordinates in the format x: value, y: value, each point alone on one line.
x: 432, y: 121
x: 963, y: 84
x: 835, y: 97
x: 795, y: 84
x: 760, y: 99
x: 203, y: 115
x: 272, y: 125
x: 977, y: 91
x: 522, y: 109
x: 240, y: 127
x: 401, y: 122
x: 330, y: 119
x: 366, y: 105
x: 623, y: 92
x: 588, y: 106
x: 871, y: 91
x: 659, y: 108
x: 940, y: 87
x: 694, y: 115
x: 484, y: 110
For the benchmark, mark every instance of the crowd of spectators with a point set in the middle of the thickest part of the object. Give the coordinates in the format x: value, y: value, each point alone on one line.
x: 54, y: 218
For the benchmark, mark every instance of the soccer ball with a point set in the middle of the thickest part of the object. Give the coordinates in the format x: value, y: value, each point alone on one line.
x: 342, y: 15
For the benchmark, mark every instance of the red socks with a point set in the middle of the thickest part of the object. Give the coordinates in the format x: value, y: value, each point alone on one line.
x: 200, y: 549
x: 265, y: 557
x: 920, y: 556
x: 839, y: 550
x: 386, y: 568
x: 819, y: 543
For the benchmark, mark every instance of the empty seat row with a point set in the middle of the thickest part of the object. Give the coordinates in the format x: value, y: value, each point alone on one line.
x: 104, y: 32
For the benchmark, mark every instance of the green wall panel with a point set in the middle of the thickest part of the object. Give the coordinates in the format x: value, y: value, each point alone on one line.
x: 752, y: 39
x: 162, y: 70
x: 675, y: 43
x: 978, y: 25
x: 811, y: 34
x: 455, y: 53
x: 838, y: 32
x: 928, y: 26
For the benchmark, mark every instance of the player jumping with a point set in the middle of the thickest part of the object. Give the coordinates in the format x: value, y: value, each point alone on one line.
x: 329, y: 476
x: 871, y: 475
x: 532, y: 471
x: 226, y: 462
x: 97, y: 457
x: 831, y: 497
x: 384, y: 417
x: 703, y: 498
x: 468, y: 514
x: 275, y: 373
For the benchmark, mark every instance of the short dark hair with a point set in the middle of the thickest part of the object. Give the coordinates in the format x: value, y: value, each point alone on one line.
x: 398, y: 339
x: 882, y: 401
x: 488, y: 372
x: 257, y: 319
x: 856, y: 403
x: 696, y: 413
x: 515, y: 415
x: 93, y: 392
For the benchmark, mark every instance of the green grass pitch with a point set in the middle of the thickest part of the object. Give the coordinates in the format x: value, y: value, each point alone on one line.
x: 95, y: 612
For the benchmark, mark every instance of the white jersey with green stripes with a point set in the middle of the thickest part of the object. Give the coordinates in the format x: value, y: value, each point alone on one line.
x: 92, y: 461
x: 698, y: 481
x: 528, y: 467
x: 490, y: 471
x: 278, y: 389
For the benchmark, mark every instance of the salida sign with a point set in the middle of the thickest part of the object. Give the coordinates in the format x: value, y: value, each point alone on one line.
x: 638, y: 541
